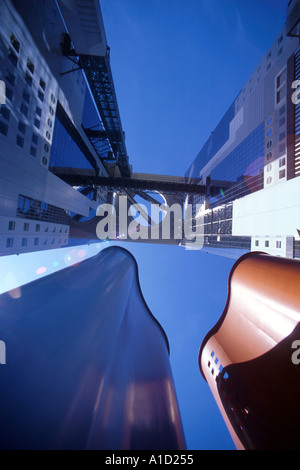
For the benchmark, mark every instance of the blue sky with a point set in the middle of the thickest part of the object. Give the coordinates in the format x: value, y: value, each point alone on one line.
x: 177, y: 67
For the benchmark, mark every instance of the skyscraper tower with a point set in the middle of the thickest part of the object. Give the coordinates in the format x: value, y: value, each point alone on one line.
x: 254, y: 152
x: 50, y: 107
x: 250, y: 358
x: 87, y: 364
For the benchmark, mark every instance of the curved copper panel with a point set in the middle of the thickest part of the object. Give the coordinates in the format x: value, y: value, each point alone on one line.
x: 87, y: 363
x: 254, y: 334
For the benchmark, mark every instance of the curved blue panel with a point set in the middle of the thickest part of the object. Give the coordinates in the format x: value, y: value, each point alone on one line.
x: 87, y: 364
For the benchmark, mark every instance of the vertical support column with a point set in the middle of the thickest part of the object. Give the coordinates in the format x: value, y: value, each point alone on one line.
x: 290, y: 125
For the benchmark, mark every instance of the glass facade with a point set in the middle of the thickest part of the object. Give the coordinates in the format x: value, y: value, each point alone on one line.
x: 33, y: 209
x: 217, y: 139
x: 246, y: 160
x: 64, y: 150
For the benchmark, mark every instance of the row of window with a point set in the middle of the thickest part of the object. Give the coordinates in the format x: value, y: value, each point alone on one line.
x: 269, y: 65
x: 267, y: 243
x: 13, y: 55
x: 26, y: 227
x: 215, y: 366
x: 29, y: 208
x: 36, y: 241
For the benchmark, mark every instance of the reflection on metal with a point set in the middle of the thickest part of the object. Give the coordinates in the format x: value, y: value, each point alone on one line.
x: 247, y: 356
x: 87, y: 363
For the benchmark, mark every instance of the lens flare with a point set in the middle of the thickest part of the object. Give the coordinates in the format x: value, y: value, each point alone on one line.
x: 41, y: 270
x: 15, y: 293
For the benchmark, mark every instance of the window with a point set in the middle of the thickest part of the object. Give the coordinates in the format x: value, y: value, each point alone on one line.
x: 33, y: 151
x: 269, y: 120
x: 20, y: 141
x: 45, y: 161
x: 3, y: 128
x: 281, y: 162
x: 28, y: 78
x: 282, y: 110
x: 26, y: 226
x: 269, y: 144
x: 269, y: 55
x: 280, y: 39
x: 36, y: 242
x: 24, y: 109
x: 37, y: 123
x: 35, y: 138
x: 280, y: 95
x: 9, y: 243
x: 14, y: 42
x: 269, y: 156
x: 11, y: 225
x: 280, y: 82
x: 38, y: 227
x: 38, y: 111
x: 41, y: 95
x: 26, y: 96
x: 281, y: 121
x: 281, y: 174
x: 30, y: 65
x: 278, y: 244
x: 281, y: 136
x: 280, y: 51
x: 281, y: 78
x: 42, y: 84
x: 256, y: 243
x: 266, y: 243
x: 24, y: 241
x: 4, y: 112
x: 9, y: 94
x: 22, y: 127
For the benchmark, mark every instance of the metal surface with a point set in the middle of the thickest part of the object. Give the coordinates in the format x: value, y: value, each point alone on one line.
x: 247, y: 356
x: 87, y: 364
